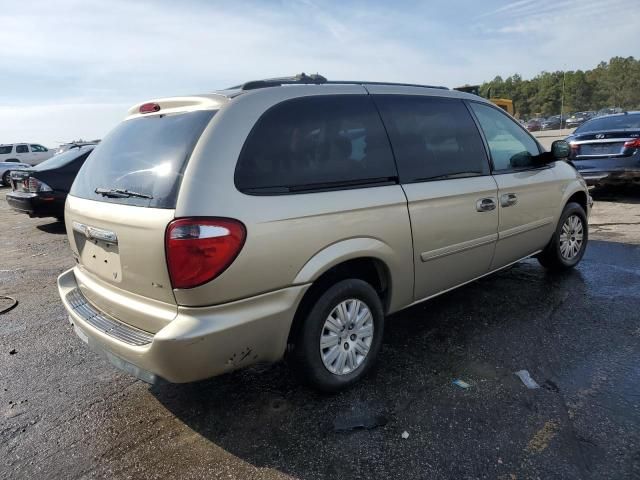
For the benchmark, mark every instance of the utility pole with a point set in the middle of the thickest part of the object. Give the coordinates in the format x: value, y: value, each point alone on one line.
x: 564, y: 74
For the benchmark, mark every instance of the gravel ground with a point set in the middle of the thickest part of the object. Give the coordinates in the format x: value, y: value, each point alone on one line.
x: 65, y: 413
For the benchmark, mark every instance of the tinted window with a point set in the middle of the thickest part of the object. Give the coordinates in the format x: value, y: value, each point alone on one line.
x: 63, y: 159
x: 510, y: 146
x: 22, y: 149
x: 433, y: 138
x: 616, y: 122
x: 146, y: 155
x: 315, y: 142
x: 5, y: 150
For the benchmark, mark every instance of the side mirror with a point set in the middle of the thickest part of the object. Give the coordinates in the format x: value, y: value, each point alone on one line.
x: 560, y: 149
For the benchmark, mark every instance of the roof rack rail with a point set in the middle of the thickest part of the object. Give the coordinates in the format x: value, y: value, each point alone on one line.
x: 300, y: 79
x: 317, y: 79
x: 394, y: 84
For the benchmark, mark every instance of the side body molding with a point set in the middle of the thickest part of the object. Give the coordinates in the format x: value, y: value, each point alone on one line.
x: 399, y: 265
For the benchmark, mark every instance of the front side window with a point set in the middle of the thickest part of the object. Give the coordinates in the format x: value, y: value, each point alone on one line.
x: 313, y: 143
x: 38, y: 148
x: 510, y: 146
x: 22, y: 149
x: 433, y: 138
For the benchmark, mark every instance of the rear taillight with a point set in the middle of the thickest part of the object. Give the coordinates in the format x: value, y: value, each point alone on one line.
x: 200, y: 249
x: 635, y: 143
x: 34, y: 185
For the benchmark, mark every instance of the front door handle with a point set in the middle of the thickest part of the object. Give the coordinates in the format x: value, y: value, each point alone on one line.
x: 508, y: 199
x: 485, y: 205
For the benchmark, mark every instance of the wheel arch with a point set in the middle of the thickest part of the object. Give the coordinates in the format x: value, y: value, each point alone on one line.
x: 581, y: 198
x: 361, y: 258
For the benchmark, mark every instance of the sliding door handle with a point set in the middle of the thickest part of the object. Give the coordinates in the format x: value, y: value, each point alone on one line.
x: 508, y: 199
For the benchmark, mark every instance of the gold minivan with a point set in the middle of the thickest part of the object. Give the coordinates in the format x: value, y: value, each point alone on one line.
x: 288, y: 217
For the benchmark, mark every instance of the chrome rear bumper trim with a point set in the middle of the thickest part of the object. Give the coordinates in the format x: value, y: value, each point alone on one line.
x: 105, y: 323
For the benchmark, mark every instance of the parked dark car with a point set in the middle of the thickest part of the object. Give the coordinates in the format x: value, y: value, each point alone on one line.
x: 534, y: 125
x: 579, y: 118
x: 41, y: 191
x: 608, y: 111
x: 553, y: 123
x: 606, y: 150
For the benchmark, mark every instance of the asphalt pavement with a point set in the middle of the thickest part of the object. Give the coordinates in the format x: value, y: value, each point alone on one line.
x: 66, y: 413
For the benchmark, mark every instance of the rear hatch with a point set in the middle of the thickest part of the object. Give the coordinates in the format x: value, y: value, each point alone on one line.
x: 118, y: 210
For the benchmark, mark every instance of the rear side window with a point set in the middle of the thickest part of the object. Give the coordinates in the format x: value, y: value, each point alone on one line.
x: 510, y: 145
x: 6, y: 149
x: 433, y: 138
x: 22, y: 149
x: 145, y: 156
x: 315, y: 143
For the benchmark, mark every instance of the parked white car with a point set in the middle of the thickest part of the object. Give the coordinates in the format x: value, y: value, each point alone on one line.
x: 31, y: 153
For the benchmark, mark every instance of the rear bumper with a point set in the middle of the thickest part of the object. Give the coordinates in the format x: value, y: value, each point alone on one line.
x: 199, y: 343
x: 37, y: 205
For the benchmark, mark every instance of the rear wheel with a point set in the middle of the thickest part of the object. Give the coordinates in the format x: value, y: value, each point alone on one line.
x: 569, y: 241
x: 340, y: 336
x: 6, y: 178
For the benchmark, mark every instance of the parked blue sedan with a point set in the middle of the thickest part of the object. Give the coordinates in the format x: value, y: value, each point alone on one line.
x: 606, y: 150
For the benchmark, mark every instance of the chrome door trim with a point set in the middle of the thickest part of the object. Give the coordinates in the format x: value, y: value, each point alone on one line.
x: 525, y: 228
x: 458, y: 247
x: 94, y: 233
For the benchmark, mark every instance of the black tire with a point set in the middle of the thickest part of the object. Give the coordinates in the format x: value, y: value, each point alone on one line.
x: 6, y: 178
x: 551, y: 257
x: 305, y: 356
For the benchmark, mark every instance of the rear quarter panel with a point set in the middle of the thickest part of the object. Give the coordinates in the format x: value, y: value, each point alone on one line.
x: 285, y: 233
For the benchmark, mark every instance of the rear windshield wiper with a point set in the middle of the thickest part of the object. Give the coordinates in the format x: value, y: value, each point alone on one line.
x: 120, y: 193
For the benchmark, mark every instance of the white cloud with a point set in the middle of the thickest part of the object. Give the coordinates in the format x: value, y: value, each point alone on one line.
x: 101, y: 53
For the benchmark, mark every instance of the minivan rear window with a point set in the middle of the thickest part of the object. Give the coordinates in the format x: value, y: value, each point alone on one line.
x: 141, y: 162
x: 316, y: 143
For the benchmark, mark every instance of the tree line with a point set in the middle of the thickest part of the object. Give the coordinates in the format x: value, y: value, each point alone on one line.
x: 615, y: 83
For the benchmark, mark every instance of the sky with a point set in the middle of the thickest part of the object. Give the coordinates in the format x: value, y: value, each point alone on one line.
x: 69, y: 69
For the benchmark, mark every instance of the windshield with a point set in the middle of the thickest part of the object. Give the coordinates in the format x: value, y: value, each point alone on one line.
x: 62, y: 159
x: 614, y: 122
x: 142, y: 160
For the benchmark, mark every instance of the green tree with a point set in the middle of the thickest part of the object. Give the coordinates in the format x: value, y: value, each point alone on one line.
x: 615, y: 83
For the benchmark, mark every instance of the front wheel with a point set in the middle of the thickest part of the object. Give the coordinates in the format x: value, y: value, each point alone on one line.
x: 569, y: 241
x: 340, y: 337
x: 6, y: 178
